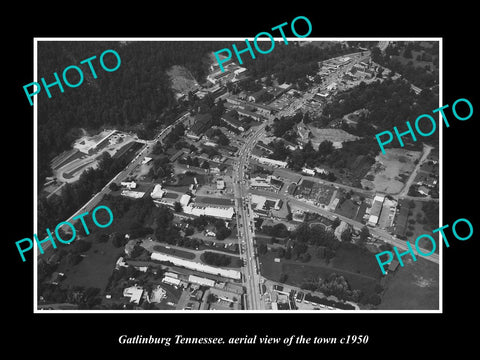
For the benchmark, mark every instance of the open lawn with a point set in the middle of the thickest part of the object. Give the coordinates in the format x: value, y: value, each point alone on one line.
x: 95, y: 269
x: 348, y: 209
x: 413, y: 287
x: 418, y: 225
x: 391, y: 170
x: 356, y: 259
x: 355, y: 265
x: 336, y: 136
x: 181, y: 79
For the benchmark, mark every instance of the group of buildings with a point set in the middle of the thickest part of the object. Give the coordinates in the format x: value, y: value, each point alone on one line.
x: 198, y: 293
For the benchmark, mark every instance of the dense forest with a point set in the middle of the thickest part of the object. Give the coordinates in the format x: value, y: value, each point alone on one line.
x: 136, y: 96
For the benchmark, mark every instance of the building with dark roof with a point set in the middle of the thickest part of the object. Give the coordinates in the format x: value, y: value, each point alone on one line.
x: 230, y: 119
x: 256, y: 95
x: 202, y: 123
x: 250, y: 114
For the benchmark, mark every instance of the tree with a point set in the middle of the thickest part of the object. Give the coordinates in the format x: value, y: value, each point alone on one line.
x: 157, y: 149
x: 262, y: 249
x: 335, y: 223
x: 222, y: 233
x: 211, y: 298
x: 283, y: 277
x: 346, y: 235
x: 137, y: 252
x: 118, y: 240
x: 407, y: 53
x: 288, y: 253
x: 268, y: 81
x: 113, y: 186
x: 364, y: 234
x: 177, y: 207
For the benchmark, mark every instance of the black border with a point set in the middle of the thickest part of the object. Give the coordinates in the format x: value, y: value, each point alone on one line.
x: 409, y: 333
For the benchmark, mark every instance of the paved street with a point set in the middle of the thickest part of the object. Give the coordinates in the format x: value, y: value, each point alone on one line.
x: 244, y: 213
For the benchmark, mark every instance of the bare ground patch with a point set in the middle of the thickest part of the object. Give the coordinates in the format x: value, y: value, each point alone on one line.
x: 391, y: 170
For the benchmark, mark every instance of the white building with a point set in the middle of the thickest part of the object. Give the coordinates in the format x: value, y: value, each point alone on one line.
x: 321, y: 170
x: 210, y: 143
x: 157, y: 294
x: 157, y: 192
x: 222, y: 213
x: 308, y: 171
x: 239, y: 70
x: 134, y: 293
x: 129, y: 185
x: 201, y: 281
x: 259, y: 182
x: 146, y: 160
x: 184, y: 200
x: 375, y: 210
x: 220, y: 185
x: 270, y: 162
x: 133, y: 194
x: 210, y: 233
x: 332, y: 86
x: 171, y: 281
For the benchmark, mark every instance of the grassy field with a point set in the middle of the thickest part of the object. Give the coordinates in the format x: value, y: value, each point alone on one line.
x: 95, y: 269
x: 415, y: 286
x: 235, y: 261
x: 355, y: 265
x: 414, y: 225
x: 182, y: 80
x: 336, y: 136
x: 348, y: 209
x: 357, y: 260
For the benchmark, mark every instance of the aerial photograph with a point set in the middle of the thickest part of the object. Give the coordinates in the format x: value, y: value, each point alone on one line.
x: 236, y: 183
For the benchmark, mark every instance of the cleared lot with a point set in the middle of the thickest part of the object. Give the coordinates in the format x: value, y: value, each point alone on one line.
x: 391, y: 170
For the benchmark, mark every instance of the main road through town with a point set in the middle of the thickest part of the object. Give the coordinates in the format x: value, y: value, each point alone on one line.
x: 245, y: 224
